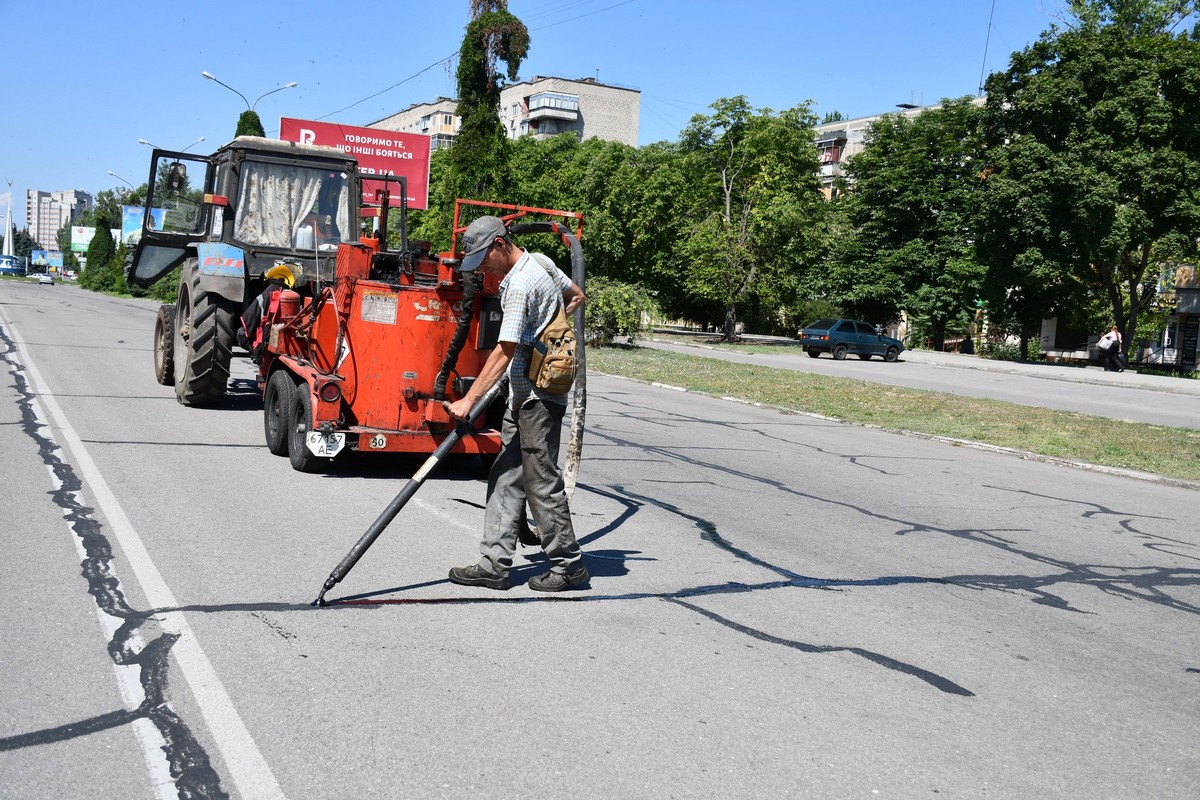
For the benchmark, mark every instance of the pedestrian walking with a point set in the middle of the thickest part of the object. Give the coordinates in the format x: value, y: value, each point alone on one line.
x: 1110, y: 346
x: 526, y: 470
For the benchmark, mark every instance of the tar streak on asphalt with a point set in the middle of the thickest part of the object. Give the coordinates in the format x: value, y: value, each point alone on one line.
x: 188, y: 762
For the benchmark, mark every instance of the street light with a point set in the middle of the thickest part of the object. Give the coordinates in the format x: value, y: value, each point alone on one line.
x: 184, y: 150
x: 122, y: 180
x: 249, y: 106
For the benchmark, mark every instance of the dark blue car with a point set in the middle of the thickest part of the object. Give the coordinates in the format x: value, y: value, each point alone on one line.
x: 841, y: 337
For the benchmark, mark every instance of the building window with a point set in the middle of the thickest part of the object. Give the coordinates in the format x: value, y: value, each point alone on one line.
x: 566, y: 102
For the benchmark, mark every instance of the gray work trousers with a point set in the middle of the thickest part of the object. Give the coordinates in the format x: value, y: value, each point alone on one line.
x: 527, y: 471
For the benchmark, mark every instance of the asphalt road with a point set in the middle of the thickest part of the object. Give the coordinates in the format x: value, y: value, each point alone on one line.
x: 781, y: 606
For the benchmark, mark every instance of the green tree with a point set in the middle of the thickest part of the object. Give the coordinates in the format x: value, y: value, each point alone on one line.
x: 1094, y: 167
x: 478, y: 157
x: 101, y: 253
x: 911, y: 215
x: 756, y: 207
x: 23, y: 244
x: 249, y: 124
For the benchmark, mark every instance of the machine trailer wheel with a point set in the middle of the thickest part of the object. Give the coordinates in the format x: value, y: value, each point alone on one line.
x: 204, y: 336
x: 278, y: 398
x: 299, y: 424
x: 164, y: 345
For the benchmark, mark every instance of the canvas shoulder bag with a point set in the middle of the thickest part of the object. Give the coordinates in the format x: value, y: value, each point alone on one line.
x: 553, y: 360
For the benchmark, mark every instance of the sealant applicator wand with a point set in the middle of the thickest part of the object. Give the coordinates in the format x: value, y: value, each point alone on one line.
x: 407, y: 491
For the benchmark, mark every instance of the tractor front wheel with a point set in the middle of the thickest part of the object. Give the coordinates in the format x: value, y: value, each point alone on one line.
x: 164, y: 345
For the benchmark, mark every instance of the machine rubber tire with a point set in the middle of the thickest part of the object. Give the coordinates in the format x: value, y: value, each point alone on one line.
x: 839, y: 352
x: 204, y: 336
x: 865, y: 356
x: 299, y: 424
x: 164, y: 345
x: 277, y: 408
x: 892, y: 353
x: 813, y: 352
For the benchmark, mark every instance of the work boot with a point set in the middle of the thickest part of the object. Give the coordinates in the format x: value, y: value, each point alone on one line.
x: 558, y: 581
x: 476, y: 575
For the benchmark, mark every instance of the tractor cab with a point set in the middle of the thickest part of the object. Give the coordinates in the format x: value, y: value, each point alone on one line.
x: 250, y: 206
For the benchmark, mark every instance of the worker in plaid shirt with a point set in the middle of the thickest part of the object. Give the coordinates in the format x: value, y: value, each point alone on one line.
x: 527, y: 468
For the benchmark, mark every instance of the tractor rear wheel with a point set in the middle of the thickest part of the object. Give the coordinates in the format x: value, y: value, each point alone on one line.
x: 277, y: 406
x: 164, y: 345
x: 299, y: 424
x: 204, y: 336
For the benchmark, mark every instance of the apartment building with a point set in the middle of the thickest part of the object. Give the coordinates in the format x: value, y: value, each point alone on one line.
x: 839, y: 141
x: 541, y: 107
x: 47, y: 212
x: 437, y: 120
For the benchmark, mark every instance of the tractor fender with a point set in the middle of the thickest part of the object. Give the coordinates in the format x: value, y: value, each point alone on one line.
x: 221, y: 269
x: 309, y: 380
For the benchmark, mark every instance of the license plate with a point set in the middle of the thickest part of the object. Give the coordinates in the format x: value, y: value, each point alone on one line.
x: 326, y: 444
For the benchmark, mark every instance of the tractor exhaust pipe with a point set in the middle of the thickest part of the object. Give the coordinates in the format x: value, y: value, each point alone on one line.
x: 407, y: 491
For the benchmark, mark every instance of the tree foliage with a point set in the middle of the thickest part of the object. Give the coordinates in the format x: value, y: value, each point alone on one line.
x: 910, y: 240
x: 478, y: 158
x: 755, y: 207
x: 249, y: 124
x: 23, y: 244
x: 1094, y: 161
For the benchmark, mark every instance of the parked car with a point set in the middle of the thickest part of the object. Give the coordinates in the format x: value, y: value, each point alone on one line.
x: 843, y: 336
x: 46, y: 278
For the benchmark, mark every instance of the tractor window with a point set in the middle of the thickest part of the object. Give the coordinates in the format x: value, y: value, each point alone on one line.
x: 292, y: 207
x: 176, y: 200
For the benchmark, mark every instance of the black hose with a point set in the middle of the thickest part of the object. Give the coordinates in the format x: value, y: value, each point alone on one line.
x: 471, y: 283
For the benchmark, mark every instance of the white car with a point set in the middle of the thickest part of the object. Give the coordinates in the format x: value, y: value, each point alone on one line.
x: 46, y: 277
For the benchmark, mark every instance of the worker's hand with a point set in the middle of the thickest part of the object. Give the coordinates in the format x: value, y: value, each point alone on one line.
x: 575, y: 300
x: 459, y: 409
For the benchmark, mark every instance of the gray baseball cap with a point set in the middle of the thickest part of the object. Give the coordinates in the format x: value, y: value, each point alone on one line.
x: 476, y: 240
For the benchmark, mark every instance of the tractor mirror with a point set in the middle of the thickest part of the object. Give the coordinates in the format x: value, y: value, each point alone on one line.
x: 176, y: 177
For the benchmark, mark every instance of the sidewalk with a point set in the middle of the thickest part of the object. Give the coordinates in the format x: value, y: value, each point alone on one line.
x: 1055, y: 372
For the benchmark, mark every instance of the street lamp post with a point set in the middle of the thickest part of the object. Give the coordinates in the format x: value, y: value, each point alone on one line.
x: 184, y: 150
x: 122, y: 180
x: 249, y: 106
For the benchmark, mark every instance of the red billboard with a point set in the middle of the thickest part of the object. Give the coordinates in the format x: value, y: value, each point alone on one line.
x: 379, y: 152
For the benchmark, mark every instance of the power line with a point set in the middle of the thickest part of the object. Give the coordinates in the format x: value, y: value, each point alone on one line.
x: 445, y: 60
x: 986, y: 42
x: 581, y: 16
x: 454, y: 55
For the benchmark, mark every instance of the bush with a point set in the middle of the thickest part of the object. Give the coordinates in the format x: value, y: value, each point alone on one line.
x: 616, y: 309
x: 166, y: 288
x: 1000, y: 351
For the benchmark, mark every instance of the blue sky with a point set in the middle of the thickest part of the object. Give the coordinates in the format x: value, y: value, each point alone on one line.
x: 86, y: 81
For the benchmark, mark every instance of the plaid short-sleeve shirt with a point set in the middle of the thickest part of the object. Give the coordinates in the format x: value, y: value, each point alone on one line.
x: 529, y: 296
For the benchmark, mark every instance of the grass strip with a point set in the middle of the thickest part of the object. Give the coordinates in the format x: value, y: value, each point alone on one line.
x: 1172, y: 452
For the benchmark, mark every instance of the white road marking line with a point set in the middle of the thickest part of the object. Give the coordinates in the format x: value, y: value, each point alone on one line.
x: 249, y: 771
